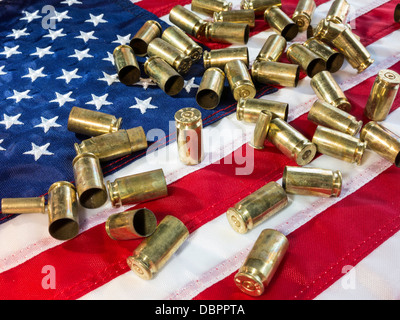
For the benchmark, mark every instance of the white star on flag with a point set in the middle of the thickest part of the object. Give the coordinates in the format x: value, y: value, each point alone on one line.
x: 189, y: 84
x: 48, y: 123
x: 71, y: 2
x: 1, y: 148
x: 145, y: 83
x: 18, y: 33
x: 34, y: 74
x: 18, y: 96
x: 81, y: 54
x: 123, y: 39
x: 30, y: 16
x: 143, y: 105
x: 38, y: 151
x: 96, y: 19
x: 86, y: 36
x: 41, y: 52
x: 55, y: 34
x: 9, y: 121
x: 60, y: 16
x: 1, y: 71
x: 110, y: 58
x: 8, y: 52
x: 109, y: 78
x: 69, y: 75
x: 61, y: 99
x: 99, y: 101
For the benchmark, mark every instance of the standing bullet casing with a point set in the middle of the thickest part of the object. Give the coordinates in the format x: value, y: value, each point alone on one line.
x: 166, y: 77
x: 291, y: 142
x: 259, y: 6
x: 183, y: 42
x: 89, y: 182
x: 308, y: 61
x: 154, y: 252
x: 126, y: 64
x: 312, y: 181
x: 92, y: 123
x: 188, y: 21
x: 338, y: 11
x: 137, y: 188
x: 23, y: 205
x: 208, y: 7
x: 261, y: 130
x: 382, y: 141
x: 236, y: 16
x: 257, y: 207
x: 276, y: 73
x: 239, y: 80
x: 339, y: 145
x: 189, y: 126
x: 210, y: 88
x: 62, y: 208
x: 220, y: 57
x: 227, y: 32
x: 114, y: 145
x: 248, y: 110
x: 281, y: 23
x: 170, y: 54
x: 327, y: 89
x: 382, y: 95
x: 132, y: 224
x: 262, y: 262
x: 272, y: 49
x: 151, y: 29
x: 303, y: 13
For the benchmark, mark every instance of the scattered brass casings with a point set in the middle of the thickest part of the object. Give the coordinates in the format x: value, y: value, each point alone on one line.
x: 188, y: 21
x: 261, y: 130
x: 382, y: 141
x: 327, y: 89
x: 382, y: 95
x: 308, y: 61
x: 236, y: 16
x: 126, y: 64
x: 208, y: 7
x: 281, y: 23
x: 210, y: 88
x: 248, y: 110
x: 338, y: 11
x: 303, y: 13
x: 137, y: 188
x: 262, y: 262
x: 183, y: 42
x: 312, y: 181
x: 272, y: 49
x: 397, y: 13
x: 89, y: 182
x: 166, y: 77
x: 333, y: 59
x: 239, y: 80
x: 62, y: 207
x: 339, y: 145
x: 227, y: 32
x: 291, y: 142
x: 154, y: 252
x: 324, y: 114
x: 220, y: 57
x: 114, y: 145
x: 132, y: 224
x: 189, y: 127
x: 257, y: 207
x: 23, y: 205
x: 92, y: 123
x: 170, y: 54
x: 276, y: 73
x: 151, y: 29
x: 259, y: 6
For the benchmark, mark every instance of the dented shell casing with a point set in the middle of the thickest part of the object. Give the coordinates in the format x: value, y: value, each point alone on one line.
x: 303, y: 13
x: 239, y: 79
x: 248, y: 110
x: 210, y: 89
x: 151, y: 29
x: 23, y: 205
x: 220, y: 57
x: 128, y: 68
x: 281, y: 23
x: 276, y: 73
x: 261, y: 130
x: 227, y: 32
x: 208, y: 7
x: 272, y: 49
x: 188, y: 21
x: 236, y: 16
x: 309, y: 62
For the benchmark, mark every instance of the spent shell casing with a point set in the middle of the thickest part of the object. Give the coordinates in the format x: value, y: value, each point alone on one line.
x: 338, y: 11
x: 276, y: 73
x: 23, y: 205
x: 220, y: 57
x: 150, y: 29
x: 239, y: 79
x: 303, y: 13
x: 188, y: 21
x: 236, y: 16
x: 227, y: 32
x: 248, y: 110
x: 208, y: 7
x: 259, y: 6
x: 128, y: 68
x: 261, y: 130
x: 309, y: 62
x: 262, y: 262
x: 210, y: 89
x: 396, y: 14
x: 281, y: 23
x: 272, y: 49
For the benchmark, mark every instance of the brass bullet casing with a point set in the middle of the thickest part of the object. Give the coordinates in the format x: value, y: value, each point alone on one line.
x: 92, y: 123
x: 382, y: 141
x: 309, y: 62
x: 262, y: 262
x: 276, y: 73
x: 114, y: 145
x: 396, y: 15
x: 291, y: 142
x: 259, y: 6
x: 261, y: 130
x: 89, y: 182
x: 137, y: 188
x: 339, y: 145
x: 220, y: 57
x: 327, y: 115
x: 382, y: 95
x: 248, y: 110
x: 132, y: 224
x: 183, y: 42
x: 227, y: 32
x: 170, y: 54
x: 62, y: 208
x: 338, y: 11
x: 257, y: 207
x: 166, y: 77
x: 189, y: 127
x: 333, y: 59
x: 23, y: 205
x: 126, y: 64
x: 272, y: 49
x: 188, y: 21
x: 239, y: 80
x: 303, y: 13
x: 236, y: 16
x: 327, y: 89
x: 281, y: 23
x: 154, y: 252
x: 210, y: 89
x: 151, y: 29
x: 312, y: 181
x: 208, y: 7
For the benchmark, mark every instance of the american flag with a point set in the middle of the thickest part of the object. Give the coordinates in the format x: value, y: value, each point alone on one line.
x: 58, y: 54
